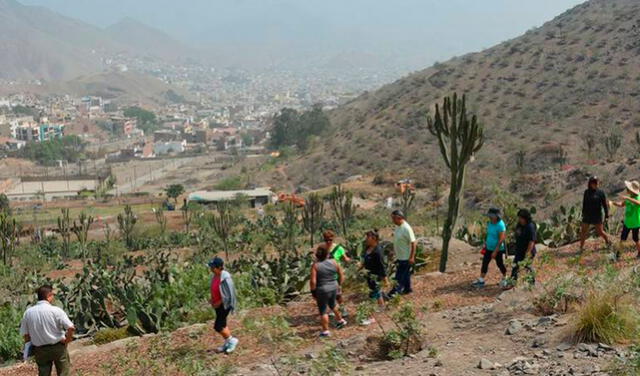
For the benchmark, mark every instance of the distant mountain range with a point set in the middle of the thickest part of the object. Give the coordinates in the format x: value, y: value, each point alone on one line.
x: 37, y: 43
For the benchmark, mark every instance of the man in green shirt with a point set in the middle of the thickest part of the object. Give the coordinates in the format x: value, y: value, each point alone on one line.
x: 631, y: 203
x: 404, y: 246
x: 338, y: 253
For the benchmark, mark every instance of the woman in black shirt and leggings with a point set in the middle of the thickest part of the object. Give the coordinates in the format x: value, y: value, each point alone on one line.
x: 594, y: 203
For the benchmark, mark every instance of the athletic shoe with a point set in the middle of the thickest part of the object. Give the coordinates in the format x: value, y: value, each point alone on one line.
x: 344, y: 312
x: 341, y: 324
x: 331, y: 314
x: 223, y: 348
x: 325, y: 334
x: 368, y: 322
x: 477, y: 283
x: 504, y: 283
x: 231, y: 345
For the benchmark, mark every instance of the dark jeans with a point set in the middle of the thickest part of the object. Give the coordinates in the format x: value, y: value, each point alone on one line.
x: 486, y: 259
x: 521, y: 256
x: 48, y: 356
x: 634, y: 234
x: 221, y: 318
x: 403, y: 278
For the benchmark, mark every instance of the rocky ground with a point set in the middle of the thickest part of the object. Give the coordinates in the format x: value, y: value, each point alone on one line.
x: 466, y: 332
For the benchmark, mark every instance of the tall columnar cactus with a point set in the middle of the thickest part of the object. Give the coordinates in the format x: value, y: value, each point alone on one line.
x: 222, y: 224
x: 9, y: 235
x: 126, y: 222
x: 312, y: 215
x: 459, y: 137
x: 343, y: 208
x: 407, y: 200
x: 161, y: 219
x: 64, y: 228
x: 81, y: 229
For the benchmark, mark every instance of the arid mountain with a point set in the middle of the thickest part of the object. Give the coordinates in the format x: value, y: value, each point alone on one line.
x: 148, y: 41
x: 538, y: 96
x: 37, y: 43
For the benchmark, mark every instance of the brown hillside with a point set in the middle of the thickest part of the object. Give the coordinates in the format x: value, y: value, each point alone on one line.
x: 539, y: 93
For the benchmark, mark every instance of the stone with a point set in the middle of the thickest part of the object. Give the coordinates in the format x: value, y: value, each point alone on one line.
x: 486, y: 364
x: 514, y: 327
x: 539, y: 342
x: 592, y: 350
x: 564, y: 346
x: 310, y: 356
x: 605, y: 347
x: 438, y: 363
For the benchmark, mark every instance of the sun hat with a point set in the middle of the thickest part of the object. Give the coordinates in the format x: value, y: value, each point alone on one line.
x: 633, y: 187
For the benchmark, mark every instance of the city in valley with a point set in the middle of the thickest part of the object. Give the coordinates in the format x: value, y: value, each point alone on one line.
x: 344, y: 187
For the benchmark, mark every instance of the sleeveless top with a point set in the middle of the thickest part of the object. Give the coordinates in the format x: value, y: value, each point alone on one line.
x: 326, y: 275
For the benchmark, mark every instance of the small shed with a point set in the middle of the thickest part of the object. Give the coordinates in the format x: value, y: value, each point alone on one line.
x: 256, y: 197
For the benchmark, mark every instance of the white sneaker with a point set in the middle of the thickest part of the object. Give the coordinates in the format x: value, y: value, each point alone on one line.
x: 368, y: 322
x: 231, y: 345
x: 223, y: 348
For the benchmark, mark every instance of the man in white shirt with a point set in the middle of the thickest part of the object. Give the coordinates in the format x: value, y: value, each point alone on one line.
x: 404, y: 246
x: 49, y: 330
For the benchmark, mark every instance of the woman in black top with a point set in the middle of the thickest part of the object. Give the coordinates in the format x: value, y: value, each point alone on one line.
x: 594, y: 203
x: 373, y: 263
x: 526, y: 238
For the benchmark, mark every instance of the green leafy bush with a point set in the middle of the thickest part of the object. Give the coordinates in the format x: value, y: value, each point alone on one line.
x: 108, y: 335
x: 10, y: 339
x: 606, y: 316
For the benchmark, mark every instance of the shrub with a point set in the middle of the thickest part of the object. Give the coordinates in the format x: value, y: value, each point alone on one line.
x: 606, y: 316
x: 108, y: 335
x: 406, y: 338
x: 10, y: 339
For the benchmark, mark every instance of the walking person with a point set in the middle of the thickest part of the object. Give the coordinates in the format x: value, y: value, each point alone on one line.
x: 49, y: 330
x: 526, y: 237
x: 404, y: 246
x: 631, y: 203
x: 494, y: 248
x: 594, y: 203
x: 373, y: 263
x: 324, y: 288
x: 338, y: 253
x: 223, y: 300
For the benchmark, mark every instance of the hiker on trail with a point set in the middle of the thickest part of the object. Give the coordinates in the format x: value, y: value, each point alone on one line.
x: 631, y: 203
x: 373, y: 263
x: 324, y: 288
x: 526, y: 238
x: 594, y: 203
x: 49, y: 331
x: 404, y: 246
x: 494, y: 248
x: 338, y: 253
x: 223, y: 300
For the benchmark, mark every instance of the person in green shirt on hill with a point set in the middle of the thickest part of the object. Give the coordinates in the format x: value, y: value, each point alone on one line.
x: 631, y: 203
x: 339, y: 254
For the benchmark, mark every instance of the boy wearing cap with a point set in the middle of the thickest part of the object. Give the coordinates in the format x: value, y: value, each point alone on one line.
x: 223, y: 300
x: 404, y: 246
x: 494, y: 248
x: 631, y: 203
x: 594, y: 202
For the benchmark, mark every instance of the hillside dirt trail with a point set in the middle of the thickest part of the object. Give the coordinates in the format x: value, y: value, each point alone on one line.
x: 462, y: 325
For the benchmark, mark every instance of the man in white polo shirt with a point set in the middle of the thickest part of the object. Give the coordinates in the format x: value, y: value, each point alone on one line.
x: 49, y: 330
x: 404, y: 246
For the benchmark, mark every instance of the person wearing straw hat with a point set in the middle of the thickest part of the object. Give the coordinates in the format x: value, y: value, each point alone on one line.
x: 494, y: 248
x: 631, y: 203
x: 594, y: 202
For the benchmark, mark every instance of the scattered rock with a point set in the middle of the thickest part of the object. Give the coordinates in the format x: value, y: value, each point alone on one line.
x: 564, y: 346
x: 438, y: 363
x: 486, y: 364
x: 539, y: 342
x: 514, y: 327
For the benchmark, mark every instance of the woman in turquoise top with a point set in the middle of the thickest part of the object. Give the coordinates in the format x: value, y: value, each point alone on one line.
x: 494, y: 248
x: 631, y: 203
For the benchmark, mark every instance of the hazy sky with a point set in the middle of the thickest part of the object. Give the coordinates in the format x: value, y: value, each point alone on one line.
x: 425, y: 29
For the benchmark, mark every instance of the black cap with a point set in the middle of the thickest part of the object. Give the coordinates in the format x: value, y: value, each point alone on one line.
x: 493, y: 213
x: 593, y: 179
x: 217, y: 262
x: 398, y: 213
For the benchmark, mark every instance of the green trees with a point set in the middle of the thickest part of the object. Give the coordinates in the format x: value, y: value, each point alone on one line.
x: 146, y: 119
x: 312, y: 215
x: 459, y: 137
x: 9, y: 235
x: 174, y: 191
x: 67, y: 148
x: 291, y: 128
x: 343, y: 208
